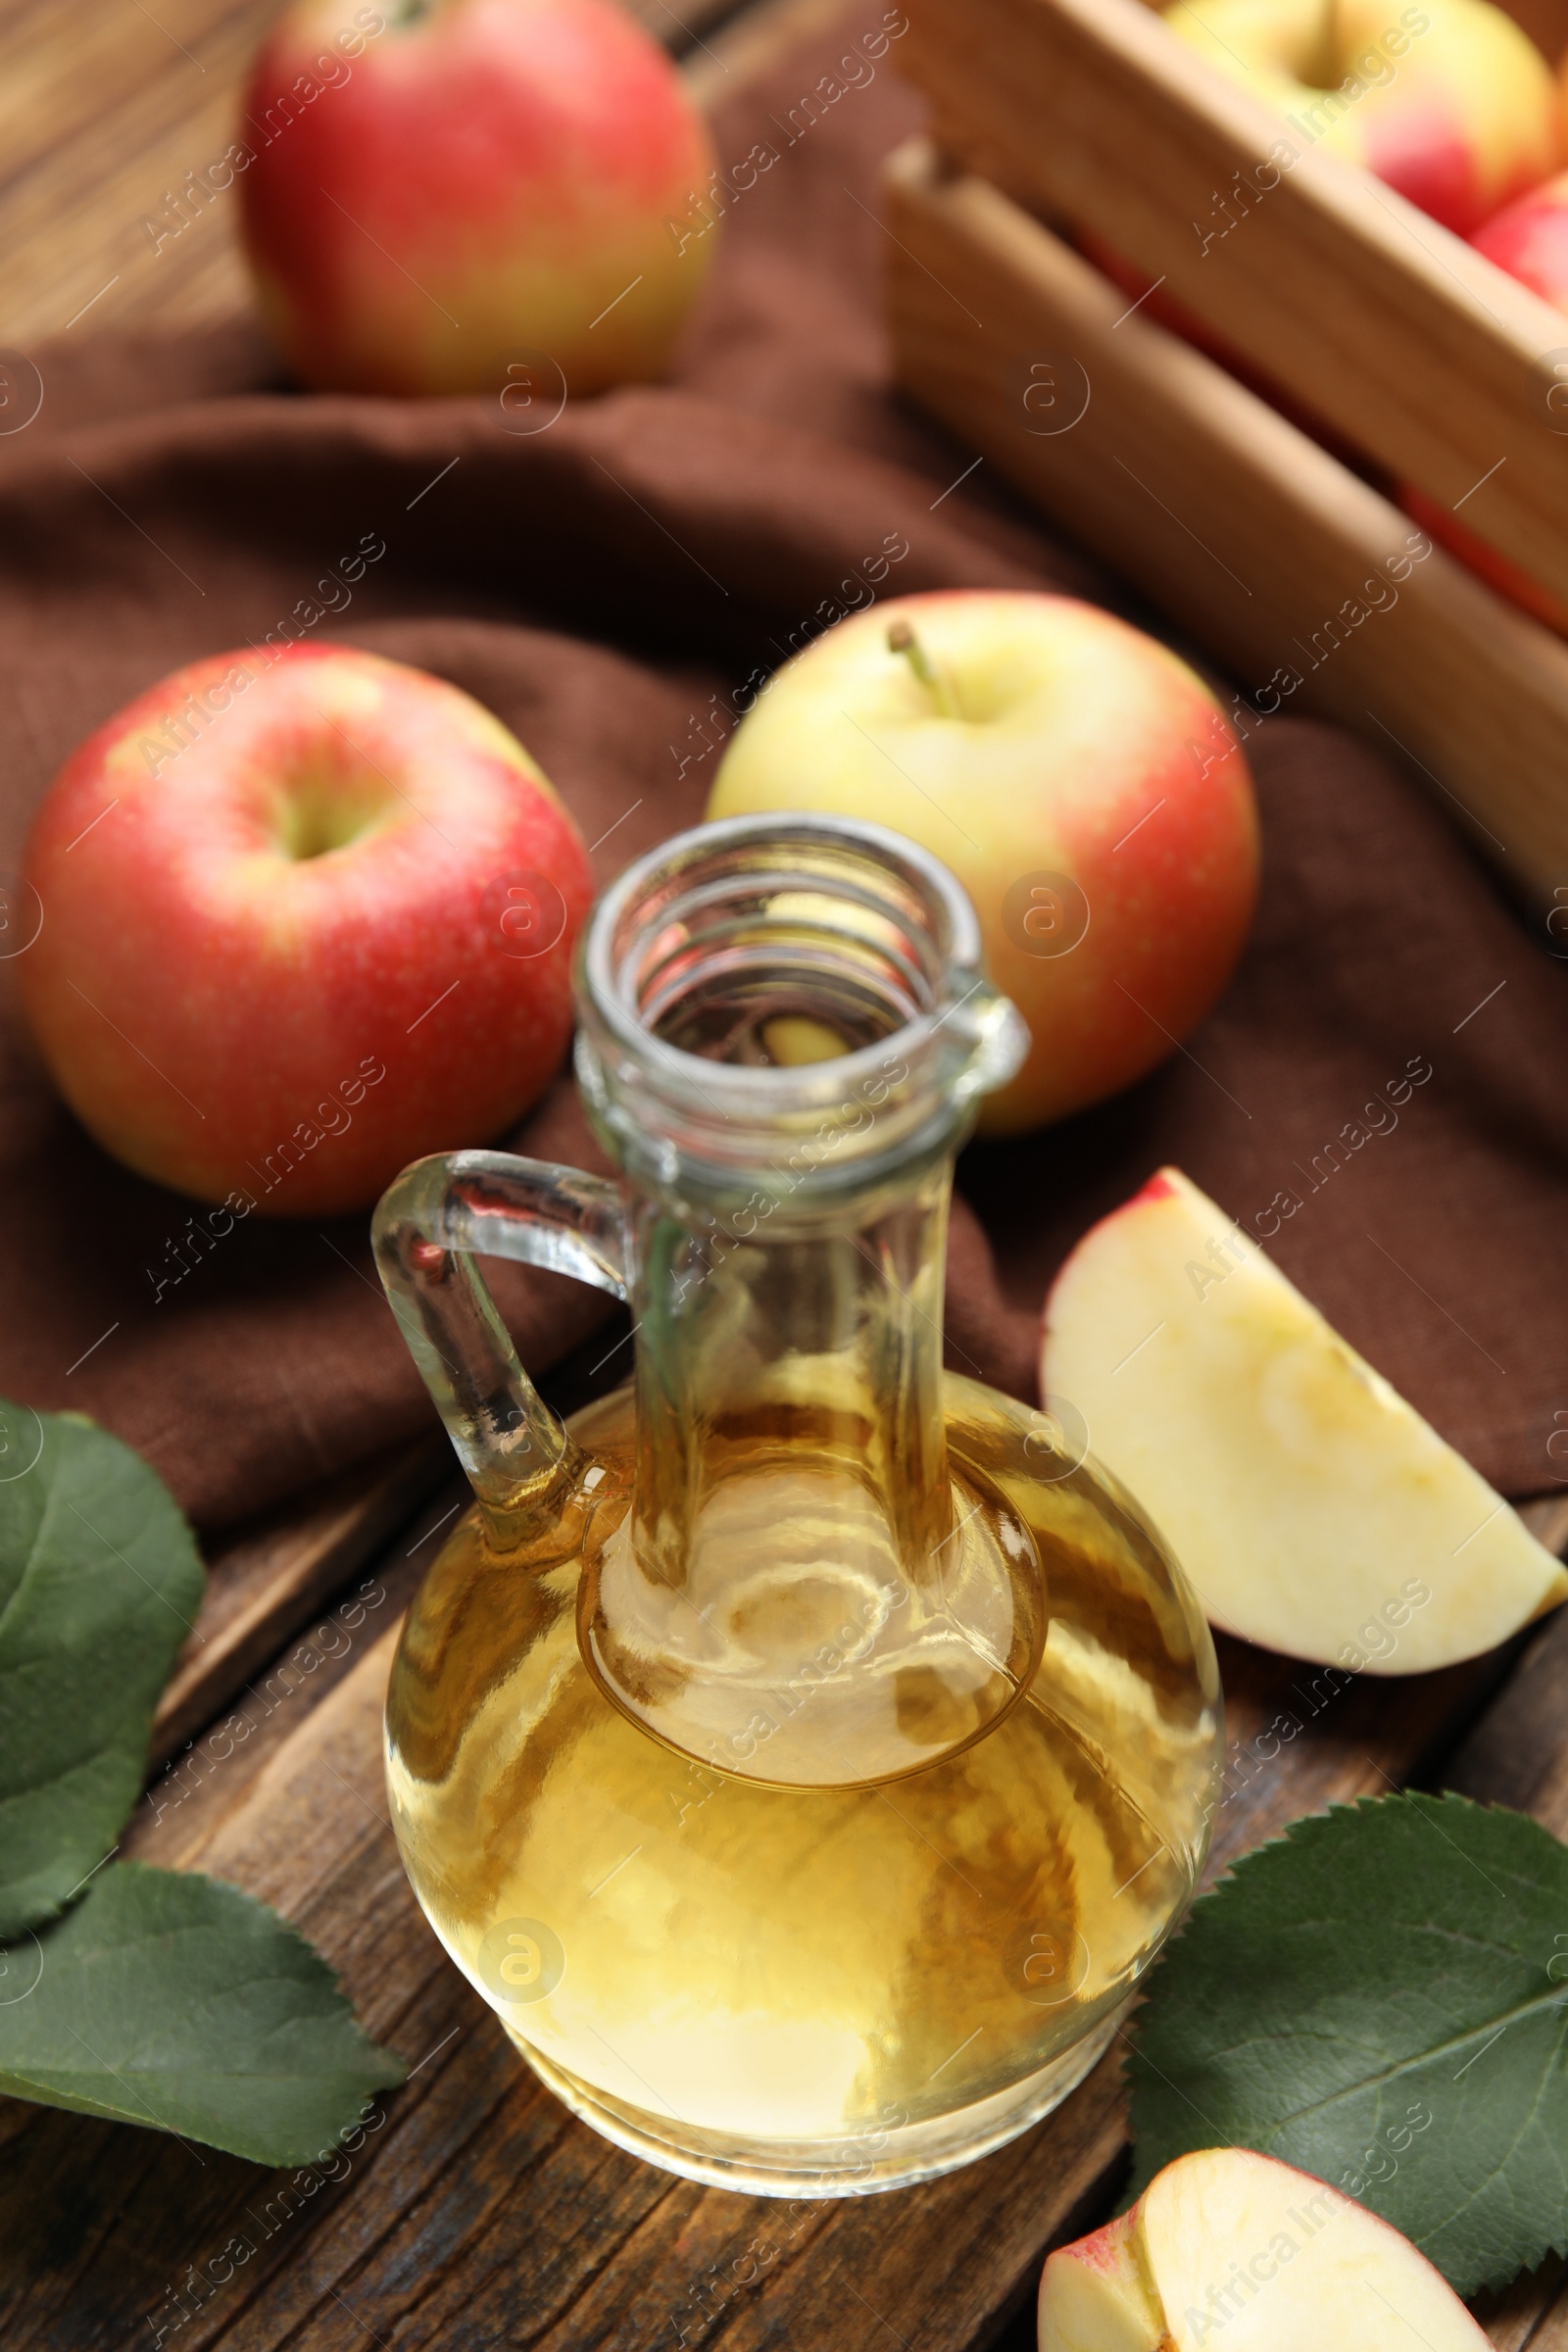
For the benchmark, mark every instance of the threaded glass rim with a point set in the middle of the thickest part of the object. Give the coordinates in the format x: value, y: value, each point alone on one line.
x: 861, y: 915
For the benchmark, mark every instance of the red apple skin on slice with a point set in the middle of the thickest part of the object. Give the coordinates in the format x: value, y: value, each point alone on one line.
x: 1312, y: 1509
x: 301, y: 925
x: 1229, y: 2248
x: 1095, y: 2296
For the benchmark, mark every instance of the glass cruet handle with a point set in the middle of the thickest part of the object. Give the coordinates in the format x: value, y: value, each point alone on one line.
x: 429, y: 1226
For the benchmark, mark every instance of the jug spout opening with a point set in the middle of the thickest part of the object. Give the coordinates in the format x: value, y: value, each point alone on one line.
x: 798, y: 997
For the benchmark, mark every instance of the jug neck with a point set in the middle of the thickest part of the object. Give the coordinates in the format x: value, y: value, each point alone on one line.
x: 784, y: 1034
x: 761, y: 1336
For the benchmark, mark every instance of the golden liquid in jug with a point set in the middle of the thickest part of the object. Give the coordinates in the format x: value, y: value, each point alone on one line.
x: 815, y: 1989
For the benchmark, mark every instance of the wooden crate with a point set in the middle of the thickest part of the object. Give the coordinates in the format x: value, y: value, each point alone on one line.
x: 1414, y: 347
x: 1257, y: 541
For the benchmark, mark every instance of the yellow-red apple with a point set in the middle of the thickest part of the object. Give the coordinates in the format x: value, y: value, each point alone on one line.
x: 1225, y: 2247
x: 436, y: 192
x: 1450, y: 102
x: 1078, y: 778
x: 304, y: 920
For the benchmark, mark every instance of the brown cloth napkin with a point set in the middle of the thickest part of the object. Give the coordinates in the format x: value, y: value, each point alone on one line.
x: 606, y: 585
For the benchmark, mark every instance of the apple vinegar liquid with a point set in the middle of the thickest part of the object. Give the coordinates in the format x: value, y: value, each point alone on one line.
x: 806, y: 1751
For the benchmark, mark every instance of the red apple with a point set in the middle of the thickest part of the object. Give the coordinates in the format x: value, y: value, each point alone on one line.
x: 1530, y: 240
x: 1449, y: 101
x: 1079, y: 779
x: 302, y: 922
x: 434, y: 190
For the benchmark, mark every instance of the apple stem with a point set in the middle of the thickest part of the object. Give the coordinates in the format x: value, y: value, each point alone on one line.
x: 901, y: 639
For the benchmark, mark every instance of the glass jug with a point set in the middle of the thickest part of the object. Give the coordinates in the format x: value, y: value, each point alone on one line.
x: 805, y: 1751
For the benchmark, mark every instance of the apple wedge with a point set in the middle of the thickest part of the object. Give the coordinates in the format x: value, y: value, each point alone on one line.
x: 1227, y: 2248
x: 1313, y: 1510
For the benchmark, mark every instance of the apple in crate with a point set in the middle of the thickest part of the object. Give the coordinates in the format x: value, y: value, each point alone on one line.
x: 1313, y: 1510
x: 1079, y: 779
x: 1530, y: 240
x: 1449, y: 102
x: 451, y: 196
x: 1225, y: 2247
x: 304, y: 921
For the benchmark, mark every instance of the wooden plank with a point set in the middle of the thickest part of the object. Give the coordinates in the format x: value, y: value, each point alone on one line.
x: 269, y: 1580
x: 266, y: 1582
x: 1406, y: 341
x: 1252, y: 538
x: 478, y: 2200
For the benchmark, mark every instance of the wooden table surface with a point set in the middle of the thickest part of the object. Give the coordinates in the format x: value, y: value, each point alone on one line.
x: 477, y: 2212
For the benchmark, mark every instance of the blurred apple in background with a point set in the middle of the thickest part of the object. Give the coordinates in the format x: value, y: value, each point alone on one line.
x: 1079, y: 779
x: 1530, y: 240
x: 440, y: 185
x: 300, y: 924
x: 1449, y: 102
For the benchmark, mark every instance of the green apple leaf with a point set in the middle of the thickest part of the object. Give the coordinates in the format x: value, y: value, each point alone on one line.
x: 170, y: 1999
x: 99, y: 1584
x: 1378, y: 1997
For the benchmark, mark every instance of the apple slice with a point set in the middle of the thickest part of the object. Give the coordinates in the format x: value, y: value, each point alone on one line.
x: 1313, y: 1510
x: 1228, y: 2247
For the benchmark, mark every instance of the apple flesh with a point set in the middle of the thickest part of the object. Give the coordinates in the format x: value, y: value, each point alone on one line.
x: 1449, y: 103
x: 450, y: 196
x: 1081, y: 782
x: 1225, y: 2247
x: 301, y: 925
x: 1313, y: 1510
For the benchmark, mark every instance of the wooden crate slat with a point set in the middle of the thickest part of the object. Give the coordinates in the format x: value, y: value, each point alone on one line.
x: 1401, y: 337
x: 1247, y: 533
